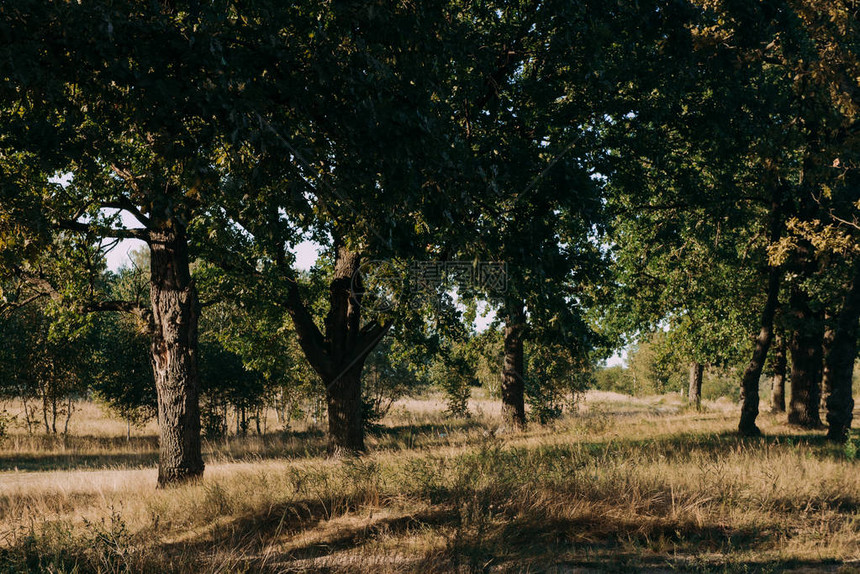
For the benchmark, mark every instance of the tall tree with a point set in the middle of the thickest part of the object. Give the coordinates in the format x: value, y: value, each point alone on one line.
x: 131, y: 101
x: 534, y: 82
x: 370, y: 155
x: 840, y: 362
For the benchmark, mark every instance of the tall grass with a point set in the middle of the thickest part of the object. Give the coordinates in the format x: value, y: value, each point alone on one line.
x: 619, y: 486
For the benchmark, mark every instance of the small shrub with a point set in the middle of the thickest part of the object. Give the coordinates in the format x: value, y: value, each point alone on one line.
x: 850, y: 450
x: 616, y: 379
x: 109, y: 543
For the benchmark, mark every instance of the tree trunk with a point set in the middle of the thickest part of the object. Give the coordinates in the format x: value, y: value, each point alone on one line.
x: 343, y: 385
x: 345, y: 425
x: 175, y: 313
x: 752, y: 374
x: 68, y: 415
x: 27, y: 415
x: 54, y: 413
x: 840, y: 364
x: 45, y: 412
x: 826, y: 347
x: 339, y: 356
x: 806, y: 362
x: 697, y: 371
x: 777, y: 385
x: 513, y: 370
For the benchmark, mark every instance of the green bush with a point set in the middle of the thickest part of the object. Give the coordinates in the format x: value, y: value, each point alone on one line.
x: 616, y: 379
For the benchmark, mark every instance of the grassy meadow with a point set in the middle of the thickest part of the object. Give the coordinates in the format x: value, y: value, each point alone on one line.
x: 622, y: 485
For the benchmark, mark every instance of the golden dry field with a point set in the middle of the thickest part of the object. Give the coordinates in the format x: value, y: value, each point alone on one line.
x: 622, y: 485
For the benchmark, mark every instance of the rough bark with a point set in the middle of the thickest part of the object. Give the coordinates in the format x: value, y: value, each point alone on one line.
x: 752, y: 374
x: 697, y: 371
x: 343, y: 385
x: 175, y: 313
x: 513, y: 370
x: 345, y: 424
x: 777, y: 384
x: 840, y: 364
x: 806, y: 362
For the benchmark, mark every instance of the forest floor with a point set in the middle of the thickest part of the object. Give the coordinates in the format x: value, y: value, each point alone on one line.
x: 621, y: 485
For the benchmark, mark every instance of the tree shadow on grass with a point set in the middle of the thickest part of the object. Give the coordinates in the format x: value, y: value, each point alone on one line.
x: 246, y: 535
x: 77, y: 461
x: 515, y: 543
x: 422, y: 435
x: 143, y: 451
x: 713, y: 445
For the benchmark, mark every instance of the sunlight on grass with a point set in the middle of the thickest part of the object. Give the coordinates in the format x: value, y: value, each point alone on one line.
x: 623, y: 484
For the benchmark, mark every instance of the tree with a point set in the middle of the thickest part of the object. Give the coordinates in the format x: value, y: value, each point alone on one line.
x: 535, y: 79
x: 654, y: 367
x: 840, y: 362
x: 123, y: 378
x: 132, y: 100
x: 750, y: 143
x: 372, y: 153
x: 694, y: 393
x: 44, y: 364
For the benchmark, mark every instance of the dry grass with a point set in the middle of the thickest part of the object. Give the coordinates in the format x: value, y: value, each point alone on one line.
x: 624, y: 485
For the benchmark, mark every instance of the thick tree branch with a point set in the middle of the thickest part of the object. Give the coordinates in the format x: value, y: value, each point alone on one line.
x: 43, y: 287
x: 80, y: 227
x: 126, y: 204
x: 132, y: 307
x: 311, y: 339
x: 370, y: 336
x: 7, y: 307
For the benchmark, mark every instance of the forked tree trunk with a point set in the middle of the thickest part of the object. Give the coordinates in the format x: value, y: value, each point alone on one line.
x: 513, y: 369
x: 27, y: 415
x: 752, y: 374
x: 777, y: 385
x: 697, y: 371
x: 343, y: 385
x: 806, y: 363
x: 175, y: 312
x: 339, y: 355
x: 840, y: 364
